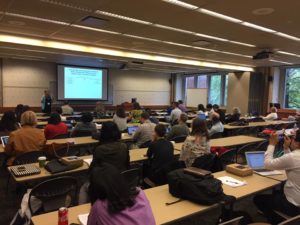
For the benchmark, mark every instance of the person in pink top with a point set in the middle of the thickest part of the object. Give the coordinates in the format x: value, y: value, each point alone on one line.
x: 114, y: 202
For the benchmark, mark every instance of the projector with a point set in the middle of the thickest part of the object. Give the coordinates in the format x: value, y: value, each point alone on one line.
x: 262, y: 55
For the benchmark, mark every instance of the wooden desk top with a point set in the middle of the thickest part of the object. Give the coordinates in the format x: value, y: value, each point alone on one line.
x: 159, y: 196
x: 136, y: 155
x: 258, y: 124
x: 229, y: 141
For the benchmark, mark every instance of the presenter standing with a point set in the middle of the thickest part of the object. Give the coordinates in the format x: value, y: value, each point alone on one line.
x: 46, y: 102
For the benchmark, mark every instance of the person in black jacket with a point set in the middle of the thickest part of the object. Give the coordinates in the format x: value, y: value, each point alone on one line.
x: 220, y: 112
x: 235, y: 116
x: 160, y: 153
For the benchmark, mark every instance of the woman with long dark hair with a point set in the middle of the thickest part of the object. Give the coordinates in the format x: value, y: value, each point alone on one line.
x: 196, y: 144
x: 114, y: 202
x: 8, y: 122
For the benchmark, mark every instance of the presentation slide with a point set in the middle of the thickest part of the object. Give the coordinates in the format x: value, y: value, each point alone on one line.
x: 81, y: 83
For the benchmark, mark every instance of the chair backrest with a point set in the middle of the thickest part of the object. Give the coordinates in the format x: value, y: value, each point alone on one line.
x: 28, y: 157
x: 228, y: 157
x: 61, y: 136
x: 146, y: 144
x: 208, y: 162
x: 292, y: 221
x: 216, y: 135
x: 235, y: 221
x: 241, y: 152
x: 179, y: 139
x: 81, y: 133
x: 262, y: 146
x: 53, y: 194
x: 133, y: 176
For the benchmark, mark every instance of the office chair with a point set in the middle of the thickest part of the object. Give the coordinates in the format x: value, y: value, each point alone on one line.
x: 53, y: 194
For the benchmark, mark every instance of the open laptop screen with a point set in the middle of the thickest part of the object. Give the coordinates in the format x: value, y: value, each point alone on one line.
x: 4, y: 140
x: 255, y: 160
x: 132, y: 129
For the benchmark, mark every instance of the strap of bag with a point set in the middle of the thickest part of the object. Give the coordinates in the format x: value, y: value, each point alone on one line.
x: 54, y: 150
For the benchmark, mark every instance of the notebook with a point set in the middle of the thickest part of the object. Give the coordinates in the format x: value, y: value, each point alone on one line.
x: 255, y: 161
x: 4, y: 140
x: 132, y: 129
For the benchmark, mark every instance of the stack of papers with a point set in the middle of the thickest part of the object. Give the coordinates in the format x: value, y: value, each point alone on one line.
x: 83, y: 219
x: 88, y: 161
x: 231, y: 181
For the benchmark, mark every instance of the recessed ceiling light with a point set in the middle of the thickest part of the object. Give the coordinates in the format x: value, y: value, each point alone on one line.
x: 139, y: 37
x: 257, y: 27
x: 178, y: 44
x: 211, y: 37
x: 94, y: 29
x: 286, y: 53
x: 53, y: 2
x: 287, y: 36
x: 242, y: 43
x: 16, y: 23
x: 182, y: 4
x: 122, y: 17
x: 263, y: 11
x: 273, y: 60
x: 219, y: 15
x: 173, y: 28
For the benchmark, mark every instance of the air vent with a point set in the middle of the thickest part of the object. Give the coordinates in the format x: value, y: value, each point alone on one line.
x: 137, y: 62
x: 92, y: 21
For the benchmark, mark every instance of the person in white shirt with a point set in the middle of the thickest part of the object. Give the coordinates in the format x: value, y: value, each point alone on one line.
x: 175, y: 114
x: 287, y: 202
x: 272, y: 116
x: 67, y: 109
x: 217, y: 125
x: 209, y: 110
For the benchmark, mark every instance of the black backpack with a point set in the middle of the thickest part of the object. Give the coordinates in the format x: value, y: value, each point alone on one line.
x: 205, y: 190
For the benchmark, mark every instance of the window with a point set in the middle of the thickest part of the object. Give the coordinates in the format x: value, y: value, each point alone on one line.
x: 202, y: 81
x: 189, y: 82
x: 215, y: 83
x: 292, y: 87
x: 215, y: 89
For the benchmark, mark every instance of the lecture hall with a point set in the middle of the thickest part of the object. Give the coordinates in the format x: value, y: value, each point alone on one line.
x: 149, y: 112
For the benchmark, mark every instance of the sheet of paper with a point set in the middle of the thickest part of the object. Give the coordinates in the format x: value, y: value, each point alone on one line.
x: 231, y: 181
x: 83, y: 219
x: 88, y: 161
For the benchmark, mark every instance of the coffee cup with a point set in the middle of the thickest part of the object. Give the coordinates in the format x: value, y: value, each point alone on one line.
x: 42, y: 161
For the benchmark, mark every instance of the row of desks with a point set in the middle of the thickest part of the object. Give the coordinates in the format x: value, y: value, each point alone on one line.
x: 136, y: 155
x: 159, y: 196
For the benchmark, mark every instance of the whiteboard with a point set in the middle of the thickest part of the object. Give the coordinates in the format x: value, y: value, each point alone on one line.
x: 196, y: 96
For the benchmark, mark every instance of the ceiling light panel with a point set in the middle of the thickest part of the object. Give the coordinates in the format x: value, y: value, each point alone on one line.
x: 219, y: 15
x: 288, y: 63
x: 181, y: 4
x: 211, y: 37
x: 252, y: 25
x: 110, y: 52
x: 122, y: 17
x: 173, y: 28
x: 66, y: 5
x: 287, y: 36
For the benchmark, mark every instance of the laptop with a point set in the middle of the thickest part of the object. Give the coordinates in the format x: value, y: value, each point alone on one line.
x: 202, y: 116
x: 4, y: 140
x: 255, y: 161
x: 132, y: 129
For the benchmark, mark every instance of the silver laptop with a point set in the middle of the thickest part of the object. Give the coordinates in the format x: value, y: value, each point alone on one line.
x: 255, y: 161
x: 4, y: 140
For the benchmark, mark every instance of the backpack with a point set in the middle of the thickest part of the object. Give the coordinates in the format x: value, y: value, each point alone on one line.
x: 205, y: 190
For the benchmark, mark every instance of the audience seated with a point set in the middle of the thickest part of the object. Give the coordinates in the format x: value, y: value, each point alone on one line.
x: 175, y: 114
x: 181, y: 129
x: 288, y: 201
x: 55, y: 127
x: 120, y: 118
x: 209, y: 110
x: 217, y: 125
x: 99, y: 110
x: 67, y: 109
x: 114, y: 202
x: 181, y: 106
x: 8, y: 123
x: 110, y: 149
x: 85, y: 125
x: 19, y: 111
x: 59, y: 111
x: 160, y: 153
x: 26, y: 139
x: 235, y: 116
x: 136, y: 113
x: 201, y: 109
x: 272, y: 116
x: 197, y: 144
x: 144, y: 133
x: 220, y: 112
